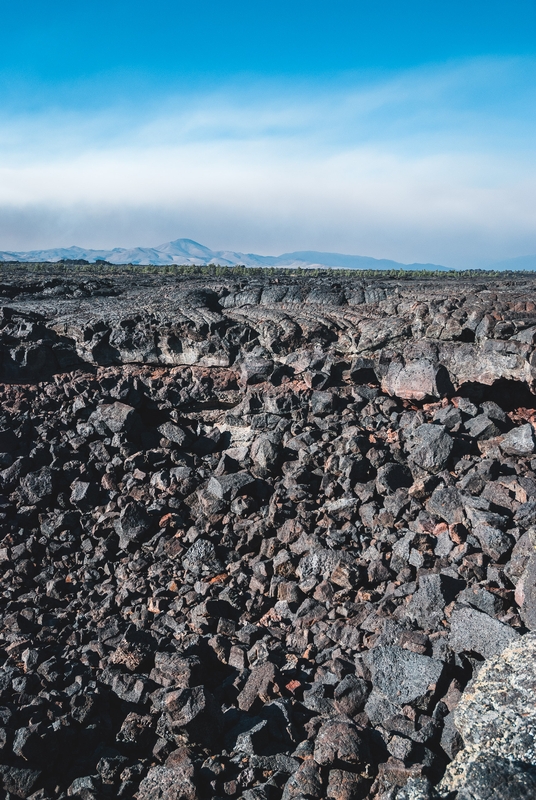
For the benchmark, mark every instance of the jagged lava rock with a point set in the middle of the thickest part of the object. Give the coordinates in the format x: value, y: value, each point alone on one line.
x: 258, y: 533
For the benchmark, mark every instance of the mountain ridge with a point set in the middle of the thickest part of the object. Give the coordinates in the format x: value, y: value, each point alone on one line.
x: 192, y: 253
x: 189, y: 252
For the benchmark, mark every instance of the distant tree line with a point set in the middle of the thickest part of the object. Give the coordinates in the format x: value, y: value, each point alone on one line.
x: 102, y: 268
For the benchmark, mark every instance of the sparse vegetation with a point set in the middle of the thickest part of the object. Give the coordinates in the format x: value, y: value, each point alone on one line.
x: 104, y: 268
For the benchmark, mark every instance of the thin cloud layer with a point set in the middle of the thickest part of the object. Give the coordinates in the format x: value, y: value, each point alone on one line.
x: 432, y: 165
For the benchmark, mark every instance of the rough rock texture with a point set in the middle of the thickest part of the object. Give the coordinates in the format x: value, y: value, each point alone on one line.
x: 496, y: 717
x: 258, y: 536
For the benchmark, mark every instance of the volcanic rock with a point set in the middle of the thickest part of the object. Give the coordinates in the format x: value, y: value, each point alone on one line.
x: 260, y: 533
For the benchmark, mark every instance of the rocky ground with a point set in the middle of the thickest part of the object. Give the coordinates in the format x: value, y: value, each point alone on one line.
x: 257, y: 537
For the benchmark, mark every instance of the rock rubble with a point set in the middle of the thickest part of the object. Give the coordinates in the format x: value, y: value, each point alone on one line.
x: 258, y: 537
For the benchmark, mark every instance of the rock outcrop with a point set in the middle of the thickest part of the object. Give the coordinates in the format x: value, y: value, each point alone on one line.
x: 496, y: 718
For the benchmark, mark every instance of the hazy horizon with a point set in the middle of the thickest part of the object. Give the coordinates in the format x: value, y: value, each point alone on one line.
x: 403, y: 134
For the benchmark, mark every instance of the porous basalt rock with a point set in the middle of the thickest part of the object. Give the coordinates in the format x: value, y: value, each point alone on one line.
x: 258, y: 535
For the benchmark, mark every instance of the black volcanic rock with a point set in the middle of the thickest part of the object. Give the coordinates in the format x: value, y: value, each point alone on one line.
x: 259, y: 535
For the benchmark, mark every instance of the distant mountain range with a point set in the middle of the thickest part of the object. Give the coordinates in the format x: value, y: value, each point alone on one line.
x: 186, y: 251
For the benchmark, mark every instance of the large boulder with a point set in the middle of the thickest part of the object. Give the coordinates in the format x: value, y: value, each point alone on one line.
x: 417, y: 380
x: 496, y: 717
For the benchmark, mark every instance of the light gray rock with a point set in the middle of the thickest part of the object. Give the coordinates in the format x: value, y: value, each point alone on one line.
x: 473, y: 631
x: 496, y: 778
x: 173, y: 433
x: 172, y: 781
x: 427, y: 606
x: 417, y: 789
x: 519, y: 441
x: 496, y: 718
x: 526, y: 593
x: 116, y: 417
x: 401, y: 675
x: 201, y: 559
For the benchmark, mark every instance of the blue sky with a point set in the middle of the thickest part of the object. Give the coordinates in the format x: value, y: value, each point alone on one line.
x: 393, y: 129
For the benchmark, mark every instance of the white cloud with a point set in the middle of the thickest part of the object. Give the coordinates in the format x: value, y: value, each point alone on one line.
x: 430, y: 166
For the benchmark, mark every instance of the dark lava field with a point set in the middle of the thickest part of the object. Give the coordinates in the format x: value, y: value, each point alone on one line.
x: 267, y: 538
